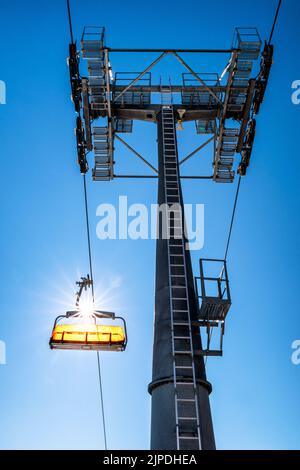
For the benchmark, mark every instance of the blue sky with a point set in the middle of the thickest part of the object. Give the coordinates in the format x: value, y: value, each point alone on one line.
x: 50, y: 399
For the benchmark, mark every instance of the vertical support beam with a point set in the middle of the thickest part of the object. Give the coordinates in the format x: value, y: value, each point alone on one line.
x: 109, y: 116
x: 171, y: 428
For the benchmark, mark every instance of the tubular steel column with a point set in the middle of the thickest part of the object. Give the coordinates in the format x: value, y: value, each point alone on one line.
x: 181, y: 417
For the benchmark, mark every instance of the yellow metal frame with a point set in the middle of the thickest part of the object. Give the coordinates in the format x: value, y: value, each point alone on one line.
x: 88, y: 336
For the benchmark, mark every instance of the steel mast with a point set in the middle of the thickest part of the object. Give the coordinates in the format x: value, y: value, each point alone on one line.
x: 181, y: 417
x: 222, y: 108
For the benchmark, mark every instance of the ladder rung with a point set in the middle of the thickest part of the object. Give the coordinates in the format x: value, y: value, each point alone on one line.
x: 187, y: 352
x: 183, y: 352
x: 187, y: 419
x: 184, y: 367
x: 186, y: 399
x: 185, y: 383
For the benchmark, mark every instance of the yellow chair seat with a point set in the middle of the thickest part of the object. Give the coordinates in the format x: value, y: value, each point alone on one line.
x: 87, y: 334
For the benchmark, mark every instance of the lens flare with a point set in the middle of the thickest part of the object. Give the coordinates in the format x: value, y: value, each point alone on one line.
x: 86, y: 308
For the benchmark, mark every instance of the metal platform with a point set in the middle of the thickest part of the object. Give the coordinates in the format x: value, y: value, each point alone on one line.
x: 248, y: 43
x: 214, y: 300
x: 123, y: 126
x: 199, y: 97
x: 205, y: 126
x: 103, y: 150
x: 226, y: 146
x: 132, y: 97
x: 92, y: 44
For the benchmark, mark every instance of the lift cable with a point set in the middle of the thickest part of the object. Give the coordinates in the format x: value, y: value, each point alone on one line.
x: 239, y: 180
x: 232, y: 217
x: 93, y: 296
x: 90, y: 260
x: 88, y: 235
x: 228, y: 242
x: 275, y: 21
x: 70, y: 21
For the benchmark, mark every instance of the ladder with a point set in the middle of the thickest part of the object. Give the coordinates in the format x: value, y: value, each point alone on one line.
x: 185, y: 388
x: 166, y: 93
x: 102, y: 144
x: 95, y: 100
x: 226, y: 148
x: 92, y: 44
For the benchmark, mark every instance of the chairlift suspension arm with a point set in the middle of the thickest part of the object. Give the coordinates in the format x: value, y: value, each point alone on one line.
x: 83, y: 285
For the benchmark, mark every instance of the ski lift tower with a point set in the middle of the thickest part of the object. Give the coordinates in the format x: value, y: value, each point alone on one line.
x: 223, y: 108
